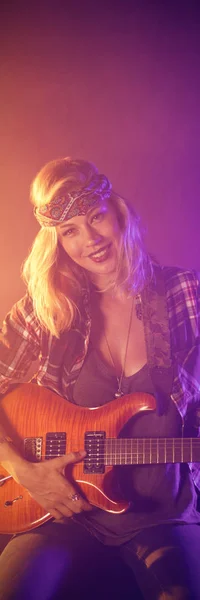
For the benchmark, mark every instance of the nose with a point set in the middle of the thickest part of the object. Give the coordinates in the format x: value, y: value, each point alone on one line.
x: 92, y: 237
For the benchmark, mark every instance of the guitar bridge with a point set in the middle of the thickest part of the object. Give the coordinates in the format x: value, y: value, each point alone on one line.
x: 94, y: 446
x: 33, y: 448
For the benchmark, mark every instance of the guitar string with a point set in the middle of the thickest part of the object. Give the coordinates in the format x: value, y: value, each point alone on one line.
x: 165, y: 444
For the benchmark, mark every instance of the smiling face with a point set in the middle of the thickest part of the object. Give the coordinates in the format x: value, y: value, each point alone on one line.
x: 93, y: 240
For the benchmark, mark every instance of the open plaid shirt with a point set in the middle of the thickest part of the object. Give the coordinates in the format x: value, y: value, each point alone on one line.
x: 22, y: 340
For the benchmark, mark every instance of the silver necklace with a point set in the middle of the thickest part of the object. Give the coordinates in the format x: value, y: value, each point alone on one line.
x: 119, y: 391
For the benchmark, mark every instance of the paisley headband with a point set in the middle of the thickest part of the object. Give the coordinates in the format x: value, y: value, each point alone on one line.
x: 71, y: 204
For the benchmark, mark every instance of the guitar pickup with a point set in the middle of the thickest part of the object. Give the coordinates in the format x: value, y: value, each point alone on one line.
x: 55, y: 444
x: 94, y: 446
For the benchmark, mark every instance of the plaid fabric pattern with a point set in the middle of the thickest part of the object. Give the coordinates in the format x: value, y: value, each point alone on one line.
x: 22, y: 340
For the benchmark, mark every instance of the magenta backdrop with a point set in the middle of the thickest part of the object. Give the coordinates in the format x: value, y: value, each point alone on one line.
x: 117, y: 85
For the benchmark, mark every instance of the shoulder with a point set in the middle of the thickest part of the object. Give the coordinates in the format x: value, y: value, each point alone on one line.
x: 182, y: 291
x: 22, y: 308
x: 183, y: 300
x: 180, y: 283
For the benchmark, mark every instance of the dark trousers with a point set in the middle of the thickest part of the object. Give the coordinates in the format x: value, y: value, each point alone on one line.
x: 64, y: 561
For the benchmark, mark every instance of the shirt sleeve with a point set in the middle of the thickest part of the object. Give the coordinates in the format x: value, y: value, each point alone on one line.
x: 198, y: 302
x: 19, y: 343
x: 195, y: 467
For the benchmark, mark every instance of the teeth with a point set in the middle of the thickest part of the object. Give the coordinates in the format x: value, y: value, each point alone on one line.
x: 98, y: 254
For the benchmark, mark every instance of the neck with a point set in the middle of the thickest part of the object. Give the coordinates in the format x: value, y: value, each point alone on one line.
x: 121, y: 294
x: 106, y: 284
x: 101, y: 284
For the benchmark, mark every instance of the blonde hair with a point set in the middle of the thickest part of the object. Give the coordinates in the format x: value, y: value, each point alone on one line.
x: 54, y: 281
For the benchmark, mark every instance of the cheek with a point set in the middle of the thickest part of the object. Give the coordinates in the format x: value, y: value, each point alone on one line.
x: 110, y: 227
x: 71, y: 248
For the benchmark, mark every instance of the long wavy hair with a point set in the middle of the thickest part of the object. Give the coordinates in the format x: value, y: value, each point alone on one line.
x: 54, y: 281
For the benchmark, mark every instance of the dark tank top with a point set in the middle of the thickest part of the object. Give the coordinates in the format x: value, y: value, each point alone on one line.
x: 157, y: 493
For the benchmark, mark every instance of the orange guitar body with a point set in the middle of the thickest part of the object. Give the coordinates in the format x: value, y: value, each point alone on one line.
x: 32, y: 411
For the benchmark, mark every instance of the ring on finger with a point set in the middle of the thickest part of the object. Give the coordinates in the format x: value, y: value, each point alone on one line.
x: 74, y: 497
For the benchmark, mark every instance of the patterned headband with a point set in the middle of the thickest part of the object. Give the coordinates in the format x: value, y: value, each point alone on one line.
x: 72, y: 204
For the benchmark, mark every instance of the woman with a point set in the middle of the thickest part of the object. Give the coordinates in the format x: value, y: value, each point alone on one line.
x: 104, y: 322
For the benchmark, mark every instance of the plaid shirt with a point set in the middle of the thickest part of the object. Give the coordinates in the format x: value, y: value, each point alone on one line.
x: 22, y: 340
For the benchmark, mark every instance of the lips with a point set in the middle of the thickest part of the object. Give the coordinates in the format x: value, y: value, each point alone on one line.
x: 101, y: 254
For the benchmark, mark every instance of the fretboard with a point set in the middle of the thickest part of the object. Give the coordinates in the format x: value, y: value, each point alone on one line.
x: 149, y: 451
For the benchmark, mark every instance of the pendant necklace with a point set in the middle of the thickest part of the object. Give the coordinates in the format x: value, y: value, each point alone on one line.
x: 119, y: 391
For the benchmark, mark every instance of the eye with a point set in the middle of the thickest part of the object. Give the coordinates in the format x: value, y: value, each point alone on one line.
x: 68, y: 232
x: 98, y: 216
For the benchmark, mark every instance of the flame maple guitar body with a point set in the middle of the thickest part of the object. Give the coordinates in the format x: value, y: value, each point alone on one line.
x: 31, y: 411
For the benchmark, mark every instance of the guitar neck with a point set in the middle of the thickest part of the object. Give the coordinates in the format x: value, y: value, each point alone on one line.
x: 149, y: 451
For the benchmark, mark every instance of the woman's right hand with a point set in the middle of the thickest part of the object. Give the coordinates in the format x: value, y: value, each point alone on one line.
x: 47, y: 484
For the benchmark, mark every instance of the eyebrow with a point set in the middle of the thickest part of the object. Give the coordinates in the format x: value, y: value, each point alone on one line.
x: 67, y: 224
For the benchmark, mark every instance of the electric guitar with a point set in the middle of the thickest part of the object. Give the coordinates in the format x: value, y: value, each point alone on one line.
x: 43, y: 425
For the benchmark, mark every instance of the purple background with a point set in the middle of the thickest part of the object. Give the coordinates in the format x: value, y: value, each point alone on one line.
x: 115, y: 83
